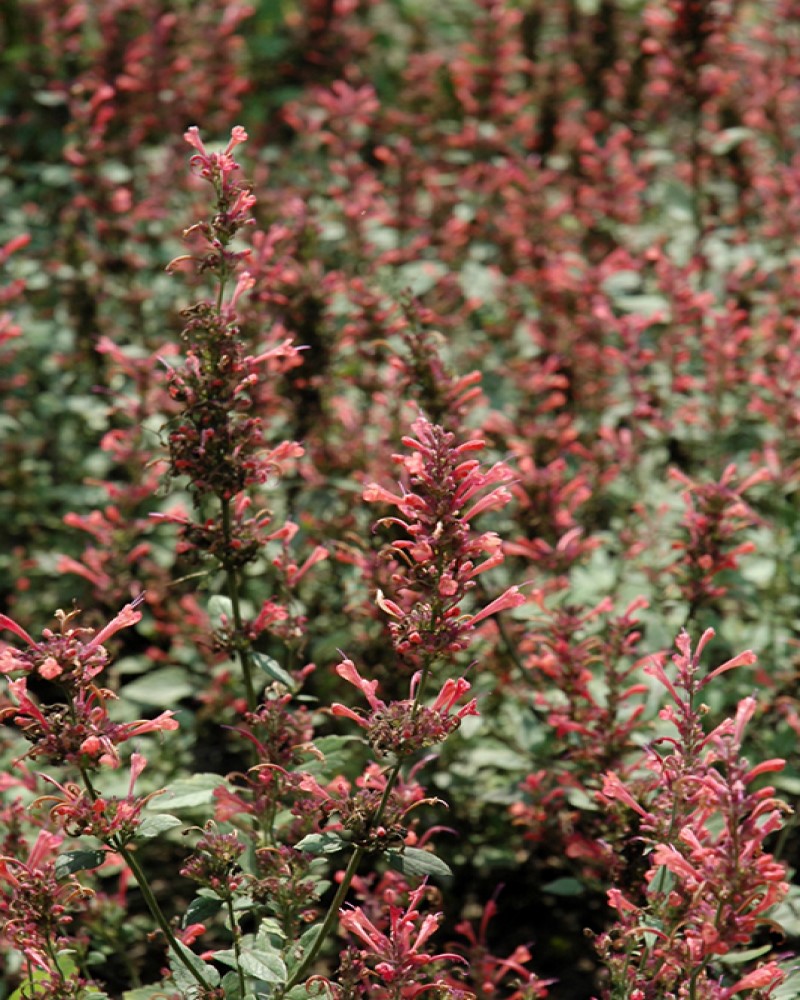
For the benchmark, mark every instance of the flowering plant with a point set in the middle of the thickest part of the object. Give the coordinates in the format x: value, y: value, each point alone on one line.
x: 384, y: 493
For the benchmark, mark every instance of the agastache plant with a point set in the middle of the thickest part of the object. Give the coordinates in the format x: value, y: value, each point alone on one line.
x: 703, y: 818
x: 434, y: 567
x: 217, y: 442
x: 76, y: 731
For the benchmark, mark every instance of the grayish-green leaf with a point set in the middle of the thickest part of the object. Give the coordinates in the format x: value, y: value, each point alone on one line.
x: 152, y: 826
x: 78, y: 861
x: 413, y: 861
x: 321, y: 843
x: 273, y: 669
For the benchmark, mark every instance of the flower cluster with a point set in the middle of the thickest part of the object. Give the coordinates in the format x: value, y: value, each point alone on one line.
x: 35, y: 904
x: 715, y: 513
x: 78, y: 729
x: 218, y: 444
x: 436, y: 567
x: 393, y: 962
x: 403, y: 728
x: 82, y: 812
x: 214, y: 863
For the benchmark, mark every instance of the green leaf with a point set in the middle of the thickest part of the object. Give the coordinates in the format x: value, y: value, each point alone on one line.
x: 166, y: 686
x: 152, y: 826
x: 145, y: 992
x: 40, y: 980
x: 321, y: 843
x: 729, y: 138
x: 219, y: 607
x: 565, y: 886
x: 184, y: 980
x: 274, y: 670
x: 740, y: 957
x: 188, y: 793
x: 200, y: 909
x: 230, y: 983
x: 328, y: 745
x: 413, y: 861
x: 78, y: 861
x: 264, y: 965
x: 303, y: 991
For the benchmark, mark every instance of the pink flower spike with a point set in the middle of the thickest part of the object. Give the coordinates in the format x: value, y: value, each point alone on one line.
x: 511, y: 598
x: 744, y: 713
x: 245, y: 282
x: 768, y: 975
x: 50, y: 669
x: 497, y: 498
x: 18, y: 630
x: 46, y: 844
x: 388, y: 606
x: 704, y: 639
x: 373, y: 493
x: 773, y: 764
x: 655, y: 669
x: 672, y: 859
x: 319, y: 554
x: 451, y: 692
x: 357, y: 922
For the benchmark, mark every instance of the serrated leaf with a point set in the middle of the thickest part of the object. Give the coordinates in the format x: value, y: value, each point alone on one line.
x: 166, y: 686
x: 152, y: 826
x: 188, y: 793
x: 273, y: 669
x: 263, y: 965
x: 321, y: 843
x: 78, y: 861
x: 200, y: 909
x: 413, y: 861
x: 184, y: 980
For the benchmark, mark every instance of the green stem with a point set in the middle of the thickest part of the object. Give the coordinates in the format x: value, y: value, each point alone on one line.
x: 144, y: 887
x: 158, y: 915
x: 341, y: 892
x: 237, y: 950
x: 330, y: 917
x: 357, y: 854
x: 232, y: 580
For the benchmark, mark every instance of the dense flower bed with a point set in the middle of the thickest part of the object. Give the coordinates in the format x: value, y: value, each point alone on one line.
x: 399, y: 467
